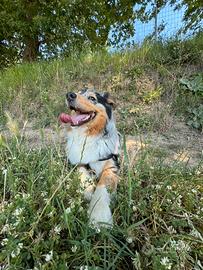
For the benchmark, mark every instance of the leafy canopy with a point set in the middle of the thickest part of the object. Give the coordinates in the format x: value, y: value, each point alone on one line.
x: 33, y: 29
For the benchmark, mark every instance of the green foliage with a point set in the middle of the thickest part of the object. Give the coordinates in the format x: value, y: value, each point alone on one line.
x: 32, y: 30
x: 193, y: 15
x: 152, y: 96
x: 194, y: 84
x: 178, y: 52
x: 196, y: 117
x: 46, y: 29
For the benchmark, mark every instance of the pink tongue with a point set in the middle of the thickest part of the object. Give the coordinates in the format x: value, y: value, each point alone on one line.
x: 65, y: 118
x: 77, y: 119
x: 74, y: 119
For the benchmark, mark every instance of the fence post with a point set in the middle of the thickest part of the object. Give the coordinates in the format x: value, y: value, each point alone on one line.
x: 155, y: 22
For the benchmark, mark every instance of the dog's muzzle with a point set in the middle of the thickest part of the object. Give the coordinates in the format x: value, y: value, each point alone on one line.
x: 71, y: 96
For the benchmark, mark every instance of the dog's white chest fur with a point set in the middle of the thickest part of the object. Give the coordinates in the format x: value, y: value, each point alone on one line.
x: 83, y: 149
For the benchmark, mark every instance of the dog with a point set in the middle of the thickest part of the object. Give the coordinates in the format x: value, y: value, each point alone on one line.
x: 93, y: 144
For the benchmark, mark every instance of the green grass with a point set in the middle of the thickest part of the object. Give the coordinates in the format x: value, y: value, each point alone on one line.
x: 43, y: 212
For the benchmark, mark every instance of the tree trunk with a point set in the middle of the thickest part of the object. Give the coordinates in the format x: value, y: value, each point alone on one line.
x: 30, y: 37
x: 31, y: 49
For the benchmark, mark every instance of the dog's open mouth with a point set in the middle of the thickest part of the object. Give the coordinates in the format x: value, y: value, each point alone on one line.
x: 78, y: 119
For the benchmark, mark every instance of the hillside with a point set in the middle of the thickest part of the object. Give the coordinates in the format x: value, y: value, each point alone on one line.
x: 158, y: 90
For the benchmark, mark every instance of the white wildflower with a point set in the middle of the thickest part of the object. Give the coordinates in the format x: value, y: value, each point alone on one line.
x: 84, y: 267
x: 173, y: 243
x: 51, y: 214
x: 134, y: 208
x: 178, y: 200
x: 72, y: 205
x: 20, y: 245
x: 180, y: 245
x: 4, y: 171
x: 49, y: 256
x: 57, y: 229
x: 165, y: 262
x: 44, y: 193
x: 74, y: 248
x: 26, y: 196
x: 194, y: 190
x: 97, y: 229
x: 13, y: 254
x: 68, y: 210
x: 186, y: 215
x: 4, y: 242
x: 157, y: 187
x: 129, y: 240
x: 6, y: 228
x: 169, y: 187
x: 18, y: 212
x: 171, y: 230
x: 16, y: 252
x: 80, y: 209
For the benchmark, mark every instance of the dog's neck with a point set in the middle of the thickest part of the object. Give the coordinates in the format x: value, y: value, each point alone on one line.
x: 83, y: 149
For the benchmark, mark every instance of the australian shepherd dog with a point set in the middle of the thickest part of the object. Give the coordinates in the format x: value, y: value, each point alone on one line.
x: 93, y: 144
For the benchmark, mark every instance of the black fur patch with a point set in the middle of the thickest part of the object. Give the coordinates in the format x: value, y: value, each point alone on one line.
x: 83, y: 90
x: 103, y: 100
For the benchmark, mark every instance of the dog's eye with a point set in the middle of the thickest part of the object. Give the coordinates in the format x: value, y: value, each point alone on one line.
x: 92, y: 98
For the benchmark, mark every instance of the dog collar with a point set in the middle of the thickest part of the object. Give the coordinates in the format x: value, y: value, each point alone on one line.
x: 115, y: 158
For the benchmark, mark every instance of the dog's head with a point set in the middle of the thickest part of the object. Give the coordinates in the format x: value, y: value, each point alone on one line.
x: 90, y: 109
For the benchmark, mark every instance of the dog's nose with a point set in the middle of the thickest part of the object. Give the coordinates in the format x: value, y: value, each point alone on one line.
x: 71, y: 96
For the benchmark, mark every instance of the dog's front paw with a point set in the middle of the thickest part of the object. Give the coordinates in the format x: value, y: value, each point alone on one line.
x: 88, y: 192
x: 99, y: 210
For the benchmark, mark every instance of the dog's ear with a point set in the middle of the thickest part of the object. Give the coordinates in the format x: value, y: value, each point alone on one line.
x: 106, y: 95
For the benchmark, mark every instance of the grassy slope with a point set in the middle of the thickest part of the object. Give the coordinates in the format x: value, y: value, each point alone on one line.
x: 157, y: 209
x: 135, y: 78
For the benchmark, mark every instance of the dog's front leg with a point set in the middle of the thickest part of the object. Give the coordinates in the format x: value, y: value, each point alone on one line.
x: 86, y: 182
x: 99, y: 210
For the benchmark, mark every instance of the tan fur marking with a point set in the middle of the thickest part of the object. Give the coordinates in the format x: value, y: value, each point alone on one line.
x: 111, y: 102
x: 109, y: 178
x: 96, y: 125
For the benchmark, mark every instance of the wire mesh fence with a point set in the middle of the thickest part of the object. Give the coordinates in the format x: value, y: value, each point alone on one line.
x: 165, y: 24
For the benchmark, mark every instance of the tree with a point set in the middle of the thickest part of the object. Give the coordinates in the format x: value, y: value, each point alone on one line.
x: 193, y: 15
x: 45, y: 28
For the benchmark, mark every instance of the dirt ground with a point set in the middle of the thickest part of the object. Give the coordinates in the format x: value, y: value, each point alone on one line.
x: 180, y: 143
